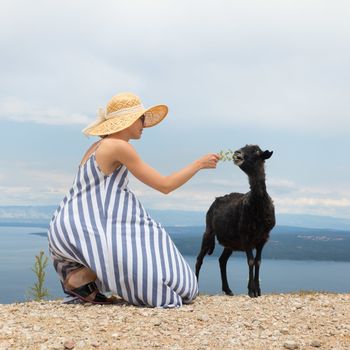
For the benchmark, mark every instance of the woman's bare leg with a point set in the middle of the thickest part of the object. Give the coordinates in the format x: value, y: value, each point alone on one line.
x: 80, y: 277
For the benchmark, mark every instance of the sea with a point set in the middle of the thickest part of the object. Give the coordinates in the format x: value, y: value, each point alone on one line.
x: 20, y: 245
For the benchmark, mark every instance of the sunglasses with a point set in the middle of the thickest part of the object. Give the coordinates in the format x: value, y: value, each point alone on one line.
x: 143, y: 119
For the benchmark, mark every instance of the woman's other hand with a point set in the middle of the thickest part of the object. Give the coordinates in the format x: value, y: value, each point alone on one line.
x: 209, y: 161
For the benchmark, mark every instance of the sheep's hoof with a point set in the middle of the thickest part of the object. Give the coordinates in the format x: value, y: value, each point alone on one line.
x: 253, y: 294
x: 228, y: 292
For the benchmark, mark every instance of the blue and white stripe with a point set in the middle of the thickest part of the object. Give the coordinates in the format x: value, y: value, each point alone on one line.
x: 102, y: 225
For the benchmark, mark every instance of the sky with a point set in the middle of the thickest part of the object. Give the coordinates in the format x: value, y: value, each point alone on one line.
x: 272, y: 73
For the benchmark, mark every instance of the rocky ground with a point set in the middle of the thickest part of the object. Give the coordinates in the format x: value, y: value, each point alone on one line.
x: 279, y: 321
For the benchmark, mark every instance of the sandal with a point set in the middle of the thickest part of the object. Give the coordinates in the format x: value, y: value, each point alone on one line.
x: 84, y: 291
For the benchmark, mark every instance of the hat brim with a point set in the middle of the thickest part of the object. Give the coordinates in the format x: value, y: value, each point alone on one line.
x: 153, y: 116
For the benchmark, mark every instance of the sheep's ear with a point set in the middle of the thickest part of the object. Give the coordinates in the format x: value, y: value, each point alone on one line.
x: 267, y: 154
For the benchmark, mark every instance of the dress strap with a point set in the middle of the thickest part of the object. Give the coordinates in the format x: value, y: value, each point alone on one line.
x: 93, y: 153
x: 97, y: 146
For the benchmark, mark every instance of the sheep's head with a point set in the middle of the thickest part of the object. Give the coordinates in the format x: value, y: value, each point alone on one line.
x: 251, y: 158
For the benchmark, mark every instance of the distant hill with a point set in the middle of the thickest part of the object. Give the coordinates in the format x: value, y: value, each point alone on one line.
x: 313, y: 221
x: 41, y: 215
x: 286, y: 242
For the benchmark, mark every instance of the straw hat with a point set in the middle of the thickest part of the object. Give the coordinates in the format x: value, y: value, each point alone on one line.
x: 122, y: 111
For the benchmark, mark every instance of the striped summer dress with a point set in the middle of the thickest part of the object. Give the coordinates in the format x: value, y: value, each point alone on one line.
x: 102, y: 225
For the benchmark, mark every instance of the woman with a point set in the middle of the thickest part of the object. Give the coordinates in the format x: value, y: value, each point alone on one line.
x: 101, y: 238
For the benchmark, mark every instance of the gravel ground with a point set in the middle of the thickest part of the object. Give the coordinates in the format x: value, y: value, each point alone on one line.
x: 275, y: 321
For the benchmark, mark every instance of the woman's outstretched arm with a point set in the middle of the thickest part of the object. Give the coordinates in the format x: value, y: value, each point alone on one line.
x: 122, y: 152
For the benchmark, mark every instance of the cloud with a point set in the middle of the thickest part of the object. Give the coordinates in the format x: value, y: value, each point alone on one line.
x: 31, y: 195
x: 267, y: 64
x: 296, y: 198
x: 288, y: 196
x: 317, y: 206
x: 303, y: 202
x: 16, y: 110
x: 281, y: 186
x: 27, y: 183
x: 275, y: 69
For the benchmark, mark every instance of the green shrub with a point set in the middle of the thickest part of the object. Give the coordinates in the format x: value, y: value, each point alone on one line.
x: 38, y: 292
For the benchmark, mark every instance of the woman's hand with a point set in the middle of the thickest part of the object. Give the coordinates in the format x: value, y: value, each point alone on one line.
x: 209, y: 161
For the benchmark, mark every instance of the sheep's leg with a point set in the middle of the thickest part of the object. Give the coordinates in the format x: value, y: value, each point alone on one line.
x: 252, y: 292
x: 259, y: 249
x: 223, y: 262
x: 208, y: 242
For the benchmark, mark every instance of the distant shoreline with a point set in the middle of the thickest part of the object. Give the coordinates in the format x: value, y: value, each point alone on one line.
x: 286, y: 242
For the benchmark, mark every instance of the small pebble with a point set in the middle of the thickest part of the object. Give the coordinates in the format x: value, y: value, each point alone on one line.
x: 203, y: 318
x: 81, y: 344
x: 290, y: 344
x: 316, y: 344
x: 157, y: 322
x: 56, y: 346
x: 5, y: 346
x: 69, y: 344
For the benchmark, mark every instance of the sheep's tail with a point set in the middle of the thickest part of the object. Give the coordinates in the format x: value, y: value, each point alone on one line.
x: 211, y: 245
x: 209, y: 233
x: 208, y: 243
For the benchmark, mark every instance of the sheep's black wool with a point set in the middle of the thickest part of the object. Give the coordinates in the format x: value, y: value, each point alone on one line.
x: 241, y: 222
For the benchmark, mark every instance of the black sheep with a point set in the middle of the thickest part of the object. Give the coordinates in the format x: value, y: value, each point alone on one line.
x: 241, y: 222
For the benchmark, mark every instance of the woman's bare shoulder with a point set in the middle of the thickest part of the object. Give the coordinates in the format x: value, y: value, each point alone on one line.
x: 116, y: 150
x: 113, y: 144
